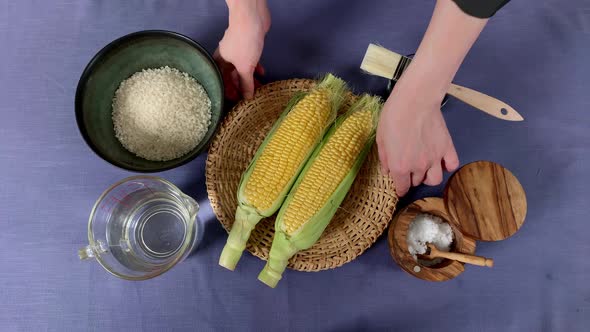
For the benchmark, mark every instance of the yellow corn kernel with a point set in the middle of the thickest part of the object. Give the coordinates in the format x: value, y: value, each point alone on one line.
x: 288, y: 148
x: 279, y: 160
x: 332, y: 164
x: 322, y: 185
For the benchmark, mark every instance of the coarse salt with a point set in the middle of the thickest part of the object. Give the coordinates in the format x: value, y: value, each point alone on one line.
x: 426, y: 228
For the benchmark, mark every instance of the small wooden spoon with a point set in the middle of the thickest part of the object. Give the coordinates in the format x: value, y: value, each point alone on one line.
x: 433, y: 252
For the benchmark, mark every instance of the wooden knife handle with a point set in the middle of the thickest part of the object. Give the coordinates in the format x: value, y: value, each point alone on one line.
x: 469, y: 259
x: 486, y: 103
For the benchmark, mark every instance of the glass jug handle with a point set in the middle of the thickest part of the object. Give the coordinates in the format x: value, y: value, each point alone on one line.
x: 90, y: 251
x: 86, y: 253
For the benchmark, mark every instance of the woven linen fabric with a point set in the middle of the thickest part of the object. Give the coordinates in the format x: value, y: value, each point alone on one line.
x: 532, y: 54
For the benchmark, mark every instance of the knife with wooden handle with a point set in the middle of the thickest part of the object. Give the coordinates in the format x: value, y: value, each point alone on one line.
x: 382, y: 62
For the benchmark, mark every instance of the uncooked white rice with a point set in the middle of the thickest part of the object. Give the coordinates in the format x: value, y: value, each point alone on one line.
x: 161, y: 114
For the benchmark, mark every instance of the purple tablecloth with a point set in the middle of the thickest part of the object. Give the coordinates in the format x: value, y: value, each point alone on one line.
x: 533, y: 54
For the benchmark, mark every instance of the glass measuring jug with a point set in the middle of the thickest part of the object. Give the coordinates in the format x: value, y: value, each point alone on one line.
x: 141, y: 227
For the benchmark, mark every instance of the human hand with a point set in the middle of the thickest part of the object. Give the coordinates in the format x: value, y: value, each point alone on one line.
x: 412, y: 137
x: 239, y: 50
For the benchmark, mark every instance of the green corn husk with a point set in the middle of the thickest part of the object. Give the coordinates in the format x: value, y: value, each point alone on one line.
x: 285, y: 246
x: 247, y: 216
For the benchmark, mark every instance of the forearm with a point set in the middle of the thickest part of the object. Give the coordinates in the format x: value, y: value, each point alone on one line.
x: 449, y: 36
x: 241, y: 9
x: 237, y: 5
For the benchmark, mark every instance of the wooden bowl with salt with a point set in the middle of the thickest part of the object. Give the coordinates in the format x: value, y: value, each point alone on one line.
x: 482, y: 201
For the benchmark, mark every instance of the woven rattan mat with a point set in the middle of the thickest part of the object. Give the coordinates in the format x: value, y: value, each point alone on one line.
x: 362, y: 217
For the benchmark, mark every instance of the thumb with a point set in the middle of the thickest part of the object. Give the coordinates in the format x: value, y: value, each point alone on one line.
x: 247, y: 82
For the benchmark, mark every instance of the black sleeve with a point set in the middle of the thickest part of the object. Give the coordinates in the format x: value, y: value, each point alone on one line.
x: 480, y: 8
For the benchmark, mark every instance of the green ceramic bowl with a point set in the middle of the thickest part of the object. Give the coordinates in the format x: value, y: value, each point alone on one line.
x: 118, y: 61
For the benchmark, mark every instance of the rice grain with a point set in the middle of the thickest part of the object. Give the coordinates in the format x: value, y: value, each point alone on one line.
x: 161, y: 114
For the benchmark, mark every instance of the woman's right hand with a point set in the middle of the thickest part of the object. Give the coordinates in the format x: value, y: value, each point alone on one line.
x: 239, y: 50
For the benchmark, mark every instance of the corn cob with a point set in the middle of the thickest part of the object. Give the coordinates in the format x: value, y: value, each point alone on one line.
x: 322, y: 185
x: 275, y: 166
